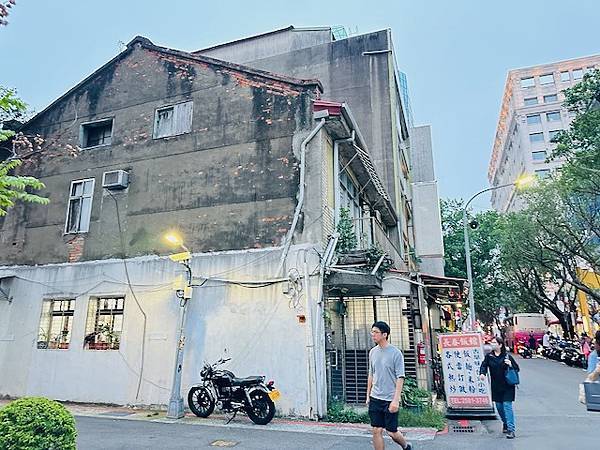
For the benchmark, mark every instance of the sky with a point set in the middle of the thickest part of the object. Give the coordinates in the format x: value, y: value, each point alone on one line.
x: 456, y: 54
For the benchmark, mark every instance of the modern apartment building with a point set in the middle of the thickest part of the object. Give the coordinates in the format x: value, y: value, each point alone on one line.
x: 530, y: 116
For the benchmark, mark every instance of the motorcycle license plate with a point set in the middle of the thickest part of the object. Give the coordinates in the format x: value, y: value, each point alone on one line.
x: 275, y: 395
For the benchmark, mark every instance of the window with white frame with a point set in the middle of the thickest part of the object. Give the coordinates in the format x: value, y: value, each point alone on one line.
x: 534, y: 119
x: 577, y: 74
x: 553, y: 116
x: 527, y: 82
x: 56, y: 324
x: 550, y: 98
x: 94, y: 134
x: 539, y: 156
x: 542, y: 173
x: 530, y: 101
x: 547, y: 79
x: 173, y: 120
x: 536, y: 137
x: 80, y: 206
x: 553, y: 133
x: 104, y: 323
x: 565, y: 76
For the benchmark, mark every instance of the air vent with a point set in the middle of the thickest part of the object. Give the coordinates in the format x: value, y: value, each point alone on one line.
x: 115, y: 179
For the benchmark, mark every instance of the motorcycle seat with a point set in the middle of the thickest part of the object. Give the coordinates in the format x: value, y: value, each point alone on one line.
x: 247, y: 381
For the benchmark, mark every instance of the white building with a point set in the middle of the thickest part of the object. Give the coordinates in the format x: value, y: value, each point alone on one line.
x: 530, y: 116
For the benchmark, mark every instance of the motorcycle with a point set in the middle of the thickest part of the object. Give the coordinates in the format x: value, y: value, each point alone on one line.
x: 220, y: 388
x: 525, y: 352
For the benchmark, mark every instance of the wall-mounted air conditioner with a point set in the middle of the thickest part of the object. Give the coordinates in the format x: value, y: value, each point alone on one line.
x: 115, y: 179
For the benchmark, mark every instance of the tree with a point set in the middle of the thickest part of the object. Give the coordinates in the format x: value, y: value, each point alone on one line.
x: 15, y: 187
x: 5, y: 7
x: 492, y: 288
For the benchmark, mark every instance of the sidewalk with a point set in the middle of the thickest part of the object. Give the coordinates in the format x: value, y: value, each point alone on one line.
x: 240, y: 422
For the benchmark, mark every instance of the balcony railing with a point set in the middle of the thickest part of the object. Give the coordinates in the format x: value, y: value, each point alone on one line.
x: 370, y: 232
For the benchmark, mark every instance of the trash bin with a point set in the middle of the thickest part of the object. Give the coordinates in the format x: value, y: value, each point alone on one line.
x: 592, y: 395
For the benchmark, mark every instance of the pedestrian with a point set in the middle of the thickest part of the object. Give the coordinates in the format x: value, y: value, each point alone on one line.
x: 384, y: 387
x: 594, y: 358
x: 532, y: 342
x: 586, y: 345
x: 546, y: 340
x: 503, y: 394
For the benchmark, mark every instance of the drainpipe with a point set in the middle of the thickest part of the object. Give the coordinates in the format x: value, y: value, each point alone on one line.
x: 290, y: 235
x: 336, y: 175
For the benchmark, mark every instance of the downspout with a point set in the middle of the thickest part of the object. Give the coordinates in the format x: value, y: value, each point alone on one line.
x: 290, y: 235
x: 336, y: 175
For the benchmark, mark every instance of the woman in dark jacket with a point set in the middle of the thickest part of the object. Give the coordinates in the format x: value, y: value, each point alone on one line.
x: 503, y: 394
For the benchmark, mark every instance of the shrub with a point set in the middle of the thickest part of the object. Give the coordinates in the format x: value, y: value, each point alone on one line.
x: 36, y: 423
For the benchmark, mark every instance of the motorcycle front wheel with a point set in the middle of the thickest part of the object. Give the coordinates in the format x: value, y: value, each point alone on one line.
x: 263, y: 409
x: 201, y: 401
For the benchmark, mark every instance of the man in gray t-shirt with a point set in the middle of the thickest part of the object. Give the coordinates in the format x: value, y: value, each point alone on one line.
x: 384, y: 388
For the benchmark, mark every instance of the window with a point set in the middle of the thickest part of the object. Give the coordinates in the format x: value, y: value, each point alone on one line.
x: 589, y: 69
x: 539, y: 156
x: 536, y: 137
x: 534, y: 119
x: 577, y: 74
x: 552, y: 134
x: 80, y: 206
x: 104, y: 323
x: 565, y: 76
x: 96, y: 133
x: 550, y: 98
x: 547, y: 79
x: 543, y: 173
x: 530, y: 101
x: 56, y: 324
x: 527, y: 82
x: 173, y: 120
x: 553, y: 116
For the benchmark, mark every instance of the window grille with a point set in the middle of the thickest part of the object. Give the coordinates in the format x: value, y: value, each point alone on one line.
x: 104, y: 323
x: 55, y: 324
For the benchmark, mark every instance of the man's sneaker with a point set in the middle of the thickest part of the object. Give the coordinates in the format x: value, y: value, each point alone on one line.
x: 504, y: 428
x: 510, y: 435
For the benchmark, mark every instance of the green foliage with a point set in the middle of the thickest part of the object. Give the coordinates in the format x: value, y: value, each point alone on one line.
x: 425, y: 417
x: 339, y: 412
x: 413, y: 395
x: 36, y: 423
x: 14, y: 187
x: 374, y: 254
x: 493, y: 288
x: 347, y: 240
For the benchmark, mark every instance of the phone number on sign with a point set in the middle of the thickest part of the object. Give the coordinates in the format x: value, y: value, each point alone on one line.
x: 469, y: 400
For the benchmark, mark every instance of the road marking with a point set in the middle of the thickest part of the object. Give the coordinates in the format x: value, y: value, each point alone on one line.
x: 221, y: 443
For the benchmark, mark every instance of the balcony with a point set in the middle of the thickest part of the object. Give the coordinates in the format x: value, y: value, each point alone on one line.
x: 370, y: 232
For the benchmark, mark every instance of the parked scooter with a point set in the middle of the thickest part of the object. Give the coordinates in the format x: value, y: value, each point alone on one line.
x: 221, y: 388
x: 525, y: 352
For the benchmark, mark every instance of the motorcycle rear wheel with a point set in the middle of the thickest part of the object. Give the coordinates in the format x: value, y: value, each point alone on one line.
x: 263, y: 410
x: 201, y: 402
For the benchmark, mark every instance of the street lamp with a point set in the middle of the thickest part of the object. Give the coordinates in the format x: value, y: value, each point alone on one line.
x: 520, y: 183
x: 175, y: 410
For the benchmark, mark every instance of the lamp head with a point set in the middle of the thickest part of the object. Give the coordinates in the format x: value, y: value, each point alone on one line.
x: 524, y: 180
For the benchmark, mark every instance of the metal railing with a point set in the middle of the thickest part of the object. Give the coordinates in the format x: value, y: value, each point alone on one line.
x: 370, y: 232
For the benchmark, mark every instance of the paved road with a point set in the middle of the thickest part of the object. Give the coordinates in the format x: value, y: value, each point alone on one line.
x: 547, y: 411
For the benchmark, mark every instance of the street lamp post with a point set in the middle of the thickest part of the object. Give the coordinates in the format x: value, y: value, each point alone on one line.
x: 522, y: 181
x: 175, y: 409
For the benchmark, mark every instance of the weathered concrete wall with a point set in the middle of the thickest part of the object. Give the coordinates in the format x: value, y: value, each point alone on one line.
x: 257, y: 328
x: 347, y: 75
x: 229, y: 184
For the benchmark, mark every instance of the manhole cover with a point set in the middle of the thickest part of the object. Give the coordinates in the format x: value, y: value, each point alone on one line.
x: 221, y: 443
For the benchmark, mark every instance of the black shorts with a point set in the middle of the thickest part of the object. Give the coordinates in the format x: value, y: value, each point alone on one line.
x: 380, y: 415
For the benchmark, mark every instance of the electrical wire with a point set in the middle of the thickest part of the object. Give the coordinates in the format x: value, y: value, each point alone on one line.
x: 123, y: 257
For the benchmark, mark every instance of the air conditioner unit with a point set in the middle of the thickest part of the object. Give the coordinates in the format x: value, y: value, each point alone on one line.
x: 115, y: 179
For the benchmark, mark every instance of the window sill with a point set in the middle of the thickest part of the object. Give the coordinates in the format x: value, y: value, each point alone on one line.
x: 72, y: 233
x: 155, y: 138
x: 96, y: 146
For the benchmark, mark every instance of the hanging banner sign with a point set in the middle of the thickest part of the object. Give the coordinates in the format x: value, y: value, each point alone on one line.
x: 462, y: 355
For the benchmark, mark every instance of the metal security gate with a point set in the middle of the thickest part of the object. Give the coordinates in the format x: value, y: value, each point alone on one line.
x: 350, y: 340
